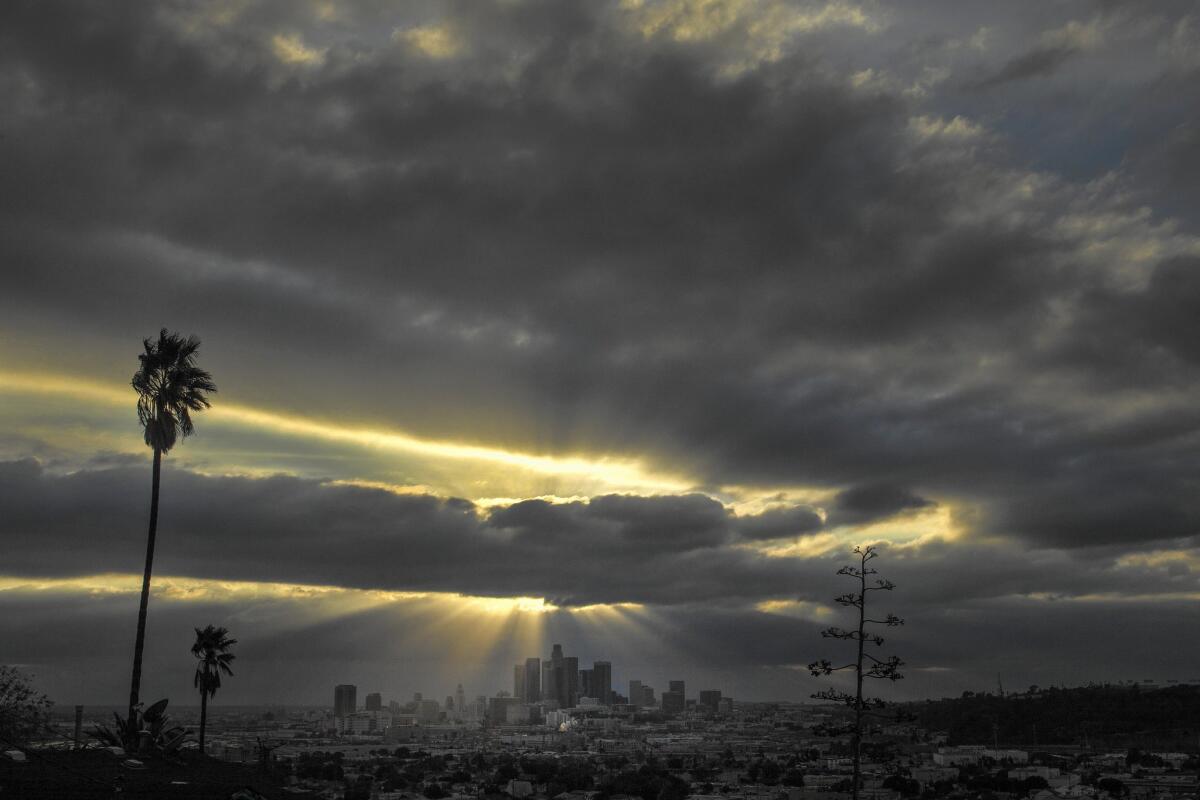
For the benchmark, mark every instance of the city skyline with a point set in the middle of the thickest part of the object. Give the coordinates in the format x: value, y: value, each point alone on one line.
x: 612, y: 325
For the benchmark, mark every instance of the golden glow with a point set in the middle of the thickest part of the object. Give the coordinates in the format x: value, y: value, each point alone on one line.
x: 936, y: 523
x: 755, y: 31
x: 432, y: 41
x: 462, y: 627
x: 812, y: 546
x: 394, y: 488
x: 1158, y: 559
x: 290, y: 49
x: 185, y: 589
x: 627, y: 475
x: 508, y: 605
x: 796, y: 608
x: 1113, y: 597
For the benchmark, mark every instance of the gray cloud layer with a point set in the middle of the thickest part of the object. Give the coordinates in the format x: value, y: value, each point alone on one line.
x: 951, y: 259
x: 670, y: 550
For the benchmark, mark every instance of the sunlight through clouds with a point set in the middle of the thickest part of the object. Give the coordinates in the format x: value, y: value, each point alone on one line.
x: 433, y: 41
x: 611, y: 473
x: 755, y: 31
x: 291, y: 49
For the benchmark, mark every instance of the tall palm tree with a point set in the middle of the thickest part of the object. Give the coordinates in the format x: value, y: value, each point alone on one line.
x: 212, y: 648
x: 170, y: 386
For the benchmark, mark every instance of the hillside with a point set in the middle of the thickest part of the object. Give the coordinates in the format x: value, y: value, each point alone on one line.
x: 1102, y: 716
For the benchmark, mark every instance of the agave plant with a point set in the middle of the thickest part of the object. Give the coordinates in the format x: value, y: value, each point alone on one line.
x: 154, y: 734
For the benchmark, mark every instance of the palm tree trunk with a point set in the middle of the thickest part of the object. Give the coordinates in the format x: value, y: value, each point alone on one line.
x: 203, y: 712
x: 858, y: 671
x: 140, y: 642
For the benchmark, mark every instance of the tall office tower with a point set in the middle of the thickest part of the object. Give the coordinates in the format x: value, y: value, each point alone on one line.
x: 533, y: 680
x: 602, y: 682
x: 635, y: 693
x: 648, y: 696
x: 549, y: 687
x: 710, y: 699
x: 394, y: 707
x: 585, y: 683
x: 555, y: 683
x: 345, y: 698
x: 460, y: 699
x: 417, y: 697
x: 677, y: 686
x: 450, y: 703
x: 569, y: 694
x: 519, y: 681
x: 374, y: 702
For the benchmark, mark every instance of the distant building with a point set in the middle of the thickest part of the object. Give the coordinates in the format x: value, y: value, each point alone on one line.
x: 460, y: 700
x: 568, y: 693
x: 428, y: 711
x: 648, y: 698
x: 672, y: 702
x: 533, y: 680
x: 549, y: 684
x: 374, y: 702
x: 677, y: 686
x: 957, y: 757
x: 710, y: 699
x: 725, y: 706
x: 560, y: 679
x: 635, y: 693
x: 449, y: 703
x: 363, y: 722
x: 498, y: 708
x: 585, y: 683
x: 519, y: 681
x: 345, y: 698
x: 602, y: 681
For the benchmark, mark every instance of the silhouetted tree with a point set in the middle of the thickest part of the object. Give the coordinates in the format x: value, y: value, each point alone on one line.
x: 170, y: 386
x: 23, y: 709
x: 865, y: 665
x: 212, y: 649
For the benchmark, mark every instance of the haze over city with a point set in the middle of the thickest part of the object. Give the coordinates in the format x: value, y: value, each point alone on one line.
x: 615, y: 325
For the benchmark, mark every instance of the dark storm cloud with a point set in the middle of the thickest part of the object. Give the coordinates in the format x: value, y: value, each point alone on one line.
x: 611, y: 549
x: 668, y: 550
x: 780, y: 523
x: 573, y: 236
x: 875, y: 501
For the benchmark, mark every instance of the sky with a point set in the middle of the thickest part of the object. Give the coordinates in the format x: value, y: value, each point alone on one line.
x: 616, y: 324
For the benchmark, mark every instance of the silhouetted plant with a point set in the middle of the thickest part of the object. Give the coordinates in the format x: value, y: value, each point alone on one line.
x: 23, y: 709
x: 152, y: 732
x: 170, y: 386
x: 865, y: 665
x: 212, y: 649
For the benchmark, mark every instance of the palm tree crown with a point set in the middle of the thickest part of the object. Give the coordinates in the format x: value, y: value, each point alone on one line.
x: 212, y: 648
x: 170, y: 386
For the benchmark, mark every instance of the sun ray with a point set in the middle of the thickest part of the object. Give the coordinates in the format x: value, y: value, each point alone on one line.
x: 627, y: 474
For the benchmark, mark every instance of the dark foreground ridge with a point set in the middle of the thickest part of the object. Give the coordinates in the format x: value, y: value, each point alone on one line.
x: 80, y: 774
x: 1109, y: 716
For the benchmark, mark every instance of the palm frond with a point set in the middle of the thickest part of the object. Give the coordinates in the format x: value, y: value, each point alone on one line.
x: 170, y: 386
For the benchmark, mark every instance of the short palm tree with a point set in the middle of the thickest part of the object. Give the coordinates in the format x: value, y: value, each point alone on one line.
x: 170, y: 387
x: 212, y: 648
